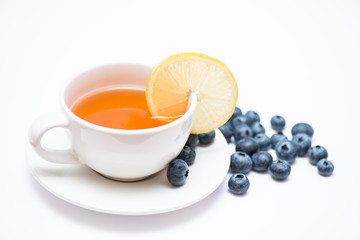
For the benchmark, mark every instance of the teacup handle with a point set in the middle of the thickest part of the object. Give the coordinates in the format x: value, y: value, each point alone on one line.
x: 39, y: 127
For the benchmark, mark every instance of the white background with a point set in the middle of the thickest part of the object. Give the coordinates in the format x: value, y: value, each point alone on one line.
x: 300, y: 59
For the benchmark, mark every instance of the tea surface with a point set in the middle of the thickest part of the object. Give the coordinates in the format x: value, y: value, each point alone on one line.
x: 117, y: 108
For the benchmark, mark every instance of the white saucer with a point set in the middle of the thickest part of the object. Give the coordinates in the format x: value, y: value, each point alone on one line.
x: 81, y: 186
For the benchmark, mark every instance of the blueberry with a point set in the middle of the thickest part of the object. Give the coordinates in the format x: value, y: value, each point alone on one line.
x: 303, y: 143
x: 263, y: 141
x: 257, y: 128
x: 242, y: 131
x: 277, y: 123
x: 240, y: 162
x: 275, y: 138
x: 238, y: 183
x: 237, y: 112
x: 247, y: 145
x: 227, y: 131
x: 316, y: 153
x: 325, y: 167
x: 177, y: 172
x: 206, y: 138
x: 251, y: 117
x: 193, y: 140
x: 261, y: 161
x: 187, y: 154
x: 302, y: 128
x: 286, y: 150
x: 239, y: 120
x: 280, y: 169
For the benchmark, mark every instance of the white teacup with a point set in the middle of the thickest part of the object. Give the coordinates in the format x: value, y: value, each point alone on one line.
x: 126, y: 155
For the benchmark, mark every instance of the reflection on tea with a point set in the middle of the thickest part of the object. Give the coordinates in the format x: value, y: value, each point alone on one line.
x: 117, y: 108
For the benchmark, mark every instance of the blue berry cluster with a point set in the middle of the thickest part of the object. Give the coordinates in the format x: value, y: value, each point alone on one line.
x: 178, y: 169
x: 252, y: 145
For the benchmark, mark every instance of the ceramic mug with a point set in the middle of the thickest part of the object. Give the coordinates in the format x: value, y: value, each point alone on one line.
x: 125, y: 155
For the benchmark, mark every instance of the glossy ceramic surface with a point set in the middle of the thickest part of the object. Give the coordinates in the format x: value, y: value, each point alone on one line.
x: 79, y: 185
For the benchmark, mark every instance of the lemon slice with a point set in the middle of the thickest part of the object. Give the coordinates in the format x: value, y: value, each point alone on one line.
x: 181, y: 75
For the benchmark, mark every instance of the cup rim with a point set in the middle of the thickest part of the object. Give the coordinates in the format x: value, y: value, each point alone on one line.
x: 190, y: 110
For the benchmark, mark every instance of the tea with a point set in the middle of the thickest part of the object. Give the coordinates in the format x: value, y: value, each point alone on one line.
x: 117, y: 108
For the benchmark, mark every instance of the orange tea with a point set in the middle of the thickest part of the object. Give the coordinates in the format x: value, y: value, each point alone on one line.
x: 117, y: 108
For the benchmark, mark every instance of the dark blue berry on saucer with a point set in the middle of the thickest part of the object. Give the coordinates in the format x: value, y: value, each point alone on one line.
x: 247, y: 145
x: 251, y: 117
x: 277, y: 123
x: 240, y: 162
x: 177, y: 172
x: 187, y: 154
x: 257, y: 128
x: 280, y: 169
x: 286, y: 150
x: 275, y: 138
x: 302, y: 128
x: 239, y: 120
x: 325, y: 167
x: 242, y: 131
x: 206, y: 138
x: 261, y: 161
x: 303, y: 143
x: 227, y: 131
x: 193, y: 140
x: 237, y: 112
x: 238, y: 183
x: 316, y: 153
x: 263, y: 141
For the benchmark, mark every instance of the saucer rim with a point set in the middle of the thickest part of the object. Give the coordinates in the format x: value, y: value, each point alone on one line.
x: 219, y: 137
